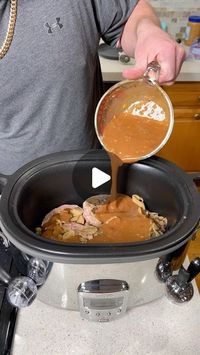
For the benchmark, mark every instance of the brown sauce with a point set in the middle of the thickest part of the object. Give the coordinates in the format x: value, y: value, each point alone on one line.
x: 126, y: 138
x: 122, y: 221
x: 131, y: 137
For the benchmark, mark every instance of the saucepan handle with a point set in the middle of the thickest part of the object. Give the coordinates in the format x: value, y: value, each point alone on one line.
x: 152, y: 72
x: 3, y: 181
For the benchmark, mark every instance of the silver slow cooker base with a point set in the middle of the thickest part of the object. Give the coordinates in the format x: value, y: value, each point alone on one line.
x: 61, y: 287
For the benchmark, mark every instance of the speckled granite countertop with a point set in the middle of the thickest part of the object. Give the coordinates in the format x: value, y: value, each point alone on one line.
x: 159, y: 328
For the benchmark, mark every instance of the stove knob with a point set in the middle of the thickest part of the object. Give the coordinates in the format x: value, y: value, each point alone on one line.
x: 21, y: 292
x: 179, y: 287
x: 124, y: 58
x: 37, y: 270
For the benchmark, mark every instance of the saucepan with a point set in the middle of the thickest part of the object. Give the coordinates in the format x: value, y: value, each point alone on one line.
x: 142, y: 98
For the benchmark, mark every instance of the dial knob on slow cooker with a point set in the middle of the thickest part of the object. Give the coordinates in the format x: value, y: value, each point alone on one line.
x: 21, y: 292
x: 37, y: 270
x: 163, y: 269
x: 179, y: 287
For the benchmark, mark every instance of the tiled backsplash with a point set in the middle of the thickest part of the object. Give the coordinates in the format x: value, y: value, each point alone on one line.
x: 175, y: 14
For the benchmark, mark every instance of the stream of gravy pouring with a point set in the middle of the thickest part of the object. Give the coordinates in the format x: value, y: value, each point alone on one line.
x: 127, y: 138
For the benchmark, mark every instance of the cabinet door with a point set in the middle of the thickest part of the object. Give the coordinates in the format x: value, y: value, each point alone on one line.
x: 183, y: 147
x: 184, y: 94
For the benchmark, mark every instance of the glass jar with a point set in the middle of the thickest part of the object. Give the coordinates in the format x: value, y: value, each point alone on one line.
x: 192, y: 29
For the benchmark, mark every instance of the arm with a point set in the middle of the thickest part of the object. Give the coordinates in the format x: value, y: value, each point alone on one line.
x: 145, y: 40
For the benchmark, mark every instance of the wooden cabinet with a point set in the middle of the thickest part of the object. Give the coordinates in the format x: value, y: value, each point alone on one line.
x: 183, y: 147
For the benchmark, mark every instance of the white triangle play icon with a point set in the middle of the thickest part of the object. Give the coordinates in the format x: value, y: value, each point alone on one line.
x: 99, y: 177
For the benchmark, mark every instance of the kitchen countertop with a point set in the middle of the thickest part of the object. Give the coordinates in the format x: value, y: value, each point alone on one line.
x: 112, y: 70
x: 160, y: 327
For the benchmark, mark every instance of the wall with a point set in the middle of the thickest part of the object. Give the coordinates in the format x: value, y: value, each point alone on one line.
x: 175, y: 14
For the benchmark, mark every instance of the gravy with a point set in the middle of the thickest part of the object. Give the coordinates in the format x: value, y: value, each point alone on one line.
x: 122, y: 221
x: 131, y: 137
x: 127, y: 139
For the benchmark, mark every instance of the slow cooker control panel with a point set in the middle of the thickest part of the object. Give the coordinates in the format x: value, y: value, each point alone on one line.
x: 103, y: 300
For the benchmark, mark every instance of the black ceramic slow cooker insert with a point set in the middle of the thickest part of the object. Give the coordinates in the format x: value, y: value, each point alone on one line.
x: 38, y: 187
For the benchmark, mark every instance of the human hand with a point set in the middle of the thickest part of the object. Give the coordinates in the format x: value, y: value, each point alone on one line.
x: 153, y: 43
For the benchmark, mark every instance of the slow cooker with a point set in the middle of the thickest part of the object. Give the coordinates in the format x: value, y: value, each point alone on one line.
x: 102, y: 281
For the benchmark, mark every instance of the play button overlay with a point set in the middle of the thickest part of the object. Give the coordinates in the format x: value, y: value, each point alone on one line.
x: 99, y: 177
x: 91, y: 175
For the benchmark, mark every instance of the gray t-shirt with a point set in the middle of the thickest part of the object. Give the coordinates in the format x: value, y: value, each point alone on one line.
x: 50, y: 79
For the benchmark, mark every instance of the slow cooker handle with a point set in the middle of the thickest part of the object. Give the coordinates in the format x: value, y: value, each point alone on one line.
x: 195, y: 177
x: 21, y: 291
x: 179, y: 287
x: 194, y: 268
x: 3, y: 181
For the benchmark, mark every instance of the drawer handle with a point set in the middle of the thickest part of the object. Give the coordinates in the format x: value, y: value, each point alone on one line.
x: 198, y: 98
x: 197, y: 116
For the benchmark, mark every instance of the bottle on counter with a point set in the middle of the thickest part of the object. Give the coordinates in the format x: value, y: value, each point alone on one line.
x: 194, y: 50
x: 192, y: 29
